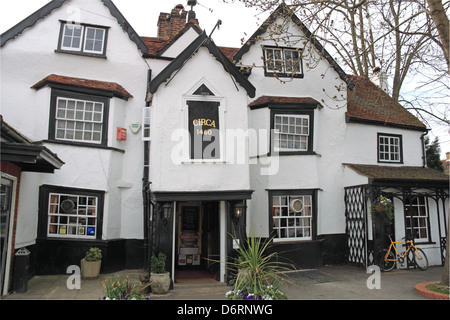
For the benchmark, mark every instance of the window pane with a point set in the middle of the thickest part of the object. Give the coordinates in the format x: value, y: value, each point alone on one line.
x: 294, y: 131
x: 84, y: 120
x: 69, y: 221
x: 94, y: 40
x: 72, y: 38
x: 292, y: 217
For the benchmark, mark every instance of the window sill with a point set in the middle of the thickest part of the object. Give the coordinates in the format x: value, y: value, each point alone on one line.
x: 283, y: 75
x: 84, y: 54
x: 293, y: 153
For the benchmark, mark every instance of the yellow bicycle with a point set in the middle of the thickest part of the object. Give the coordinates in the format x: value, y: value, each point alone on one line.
x: 388, y: 257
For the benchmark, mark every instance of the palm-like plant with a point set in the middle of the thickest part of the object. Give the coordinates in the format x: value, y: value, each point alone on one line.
x: 259, y: 274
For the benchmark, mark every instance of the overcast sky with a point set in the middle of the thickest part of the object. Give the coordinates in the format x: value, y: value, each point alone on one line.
x: 238, y: 23
x: 143, y: 16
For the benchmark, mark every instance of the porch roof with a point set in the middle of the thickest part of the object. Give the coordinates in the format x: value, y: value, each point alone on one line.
x: 401, y: 175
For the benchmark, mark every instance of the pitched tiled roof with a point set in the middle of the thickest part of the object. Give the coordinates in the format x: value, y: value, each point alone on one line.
x: 265, y: 100
x: 229, y: 52
x: 399, y: 173
x: 367, y: 102
x: 112, y: 87
x: 156, y: 45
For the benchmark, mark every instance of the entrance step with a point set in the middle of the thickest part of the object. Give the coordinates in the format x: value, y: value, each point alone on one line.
x: 201, y: 289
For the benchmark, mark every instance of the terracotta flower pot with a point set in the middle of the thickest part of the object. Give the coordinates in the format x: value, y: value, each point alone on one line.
x: 379, y: 208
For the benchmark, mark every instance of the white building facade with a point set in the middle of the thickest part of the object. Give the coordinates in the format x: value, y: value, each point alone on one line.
x: 170, y: 144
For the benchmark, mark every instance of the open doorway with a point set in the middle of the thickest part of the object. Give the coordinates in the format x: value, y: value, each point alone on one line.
x: 197, y: 240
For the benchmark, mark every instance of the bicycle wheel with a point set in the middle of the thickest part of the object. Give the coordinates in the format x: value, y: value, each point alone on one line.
x: 420, y: 259
x: 386, y: 265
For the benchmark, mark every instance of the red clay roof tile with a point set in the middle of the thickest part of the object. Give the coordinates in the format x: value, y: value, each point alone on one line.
x: 112, y: 87
x: 368, y: 102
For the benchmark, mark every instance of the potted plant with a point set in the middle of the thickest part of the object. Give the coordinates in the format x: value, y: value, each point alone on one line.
x: 91, y: 263
x: 159, y: 278
x: 383, y: 205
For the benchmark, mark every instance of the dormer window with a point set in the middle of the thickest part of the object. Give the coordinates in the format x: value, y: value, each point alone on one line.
x: 82, y: 39
x: 283, y: 62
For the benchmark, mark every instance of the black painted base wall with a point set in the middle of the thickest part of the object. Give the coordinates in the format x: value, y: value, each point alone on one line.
x: 54, y: 256
x: 327, y: 249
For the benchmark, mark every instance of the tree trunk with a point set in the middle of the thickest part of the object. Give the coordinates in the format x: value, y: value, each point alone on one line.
x: 440, y: 18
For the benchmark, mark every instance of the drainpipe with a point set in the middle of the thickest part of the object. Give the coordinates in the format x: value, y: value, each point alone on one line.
x: 424, y: 153
x: 146, y: 191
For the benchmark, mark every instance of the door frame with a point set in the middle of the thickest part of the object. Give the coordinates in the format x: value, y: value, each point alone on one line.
x: 5, y: 281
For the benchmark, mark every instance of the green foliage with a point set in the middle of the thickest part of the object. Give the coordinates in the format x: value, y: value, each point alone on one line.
x: 387, y: 205
x: 158, y: 263
x: 93, y: 254
x: 258, y: 273
x: 433, y: 153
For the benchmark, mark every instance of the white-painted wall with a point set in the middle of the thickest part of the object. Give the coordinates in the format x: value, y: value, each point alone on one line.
x: 171, y: 171
x: 29, y: 58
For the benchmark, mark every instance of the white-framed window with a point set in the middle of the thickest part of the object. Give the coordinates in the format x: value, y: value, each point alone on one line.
x: 146, y: 117
x: 291, y: 132
x: 292, y: 216
x: 83, y: 38
x: 94, y: 40
x: 79, y: 120
x: 72, y: 215
x: 416, y: 217
x: 283, y: 61
x: 389, y: 148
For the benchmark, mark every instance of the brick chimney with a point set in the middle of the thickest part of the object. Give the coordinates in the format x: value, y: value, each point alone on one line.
x: 170, y: 24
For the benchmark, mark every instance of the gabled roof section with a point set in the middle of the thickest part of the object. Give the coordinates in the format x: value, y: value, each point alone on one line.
x: 111, y: 87
x: 284, y: 11
x: 157, y: 46
x: 30, y: 21
x: 367, y: 103
x: 55, y: 4
x: 202, y: 41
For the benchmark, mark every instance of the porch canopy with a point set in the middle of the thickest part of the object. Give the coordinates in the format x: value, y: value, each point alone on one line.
x: 401, y: 175
x: 366, y: 182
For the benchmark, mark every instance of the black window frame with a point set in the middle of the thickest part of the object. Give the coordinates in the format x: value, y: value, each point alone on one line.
x: 292, y: 110
x: 81, y: 94
x: 44, y: 193
x: 81, y: 51
x: 390, y: 135
x: 282, y: 74
x: 294, y: 192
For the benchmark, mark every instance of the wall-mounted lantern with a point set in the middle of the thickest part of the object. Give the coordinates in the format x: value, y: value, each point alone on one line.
x: 166, y: 213
x: 238, y: 211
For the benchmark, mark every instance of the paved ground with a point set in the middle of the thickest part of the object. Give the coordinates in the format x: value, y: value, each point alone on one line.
x: 326, y: 283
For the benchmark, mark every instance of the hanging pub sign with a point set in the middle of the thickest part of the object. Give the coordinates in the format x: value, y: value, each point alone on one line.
x: 204, y: 129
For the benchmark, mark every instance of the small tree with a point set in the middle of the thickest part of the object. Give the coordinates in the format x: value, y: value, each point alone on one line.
x: 433, y: 153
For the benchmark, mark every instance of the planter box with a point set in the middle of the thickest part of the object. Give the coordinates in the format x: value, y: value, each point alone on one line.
x: 90, y: 269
